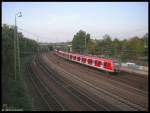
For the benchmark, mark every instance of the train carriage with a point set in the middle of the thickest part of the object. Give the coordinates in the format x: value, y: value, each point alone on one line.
x: 100, y: 63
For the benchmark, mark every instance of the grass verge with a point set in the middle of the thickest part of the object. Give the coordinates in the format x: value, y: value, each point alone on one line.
x: 14, y: 93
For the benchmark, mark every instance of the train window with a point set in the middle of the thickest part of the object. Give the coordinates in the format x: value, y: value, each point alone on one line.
x: 105, y: 64
x: 97, y: 63
x: 89, y: 61
x: 74, y: 58
x: 78, y: 58
x: 83, y: 60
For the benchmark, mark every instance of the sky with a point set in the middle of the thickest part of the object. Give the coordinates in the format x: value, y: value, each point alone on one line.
x: 60, y: 21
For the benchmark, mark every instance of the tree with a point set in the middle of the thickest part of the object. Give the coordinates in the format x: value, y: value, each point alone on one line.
x: 12, y: 91
x: 91, y: 47
x: 107, y: 43
x: 116, y: 47
x: 145, y: 41
x: 79, y: 42
x: 127, y: 49
x: 136, y: 46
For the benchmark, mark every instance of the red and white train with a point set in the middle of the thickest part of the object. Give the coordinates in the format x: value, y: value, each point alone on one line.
x: 108, y: 65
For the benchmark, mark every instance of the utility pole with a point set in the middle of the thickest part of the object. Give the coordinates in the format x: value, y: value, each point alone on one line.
x: 38, y: 45
x: 145, y: 45
x: 15, y: 32
x: 85, y: 44
x: 16, y: 49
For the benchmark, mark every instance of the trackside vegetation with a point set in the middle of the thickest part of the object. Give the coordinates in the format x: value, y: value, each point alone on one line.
x: 130, y: 49
x: 14, y: 88
x: 14, y: 95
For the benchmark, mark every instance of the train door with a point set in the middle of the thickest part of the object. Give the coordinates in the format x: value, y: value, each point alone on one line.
x: 78, y: 59
x: 83, y: 60
x: 97, y: 63
x: 70, y: 57
x: 90, y: 61
x: 108, y: 65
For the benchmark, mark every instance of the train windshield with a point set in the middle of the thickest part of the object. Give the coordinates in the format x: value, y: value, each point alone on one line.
x: 117, y: 62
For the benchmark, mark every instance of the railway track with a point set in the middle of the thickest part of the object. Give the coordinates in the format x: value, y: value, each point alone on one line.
x: 137, y: 105
x: 74, y: 91
x: 61, y: 90
x: 86, y: 105
x: 37, y: 102
x: 100, y: 103
x: 44, y: 93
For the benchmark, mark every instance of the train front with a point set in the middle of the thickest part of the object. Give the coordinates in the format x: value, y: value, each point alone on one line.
x: 117, y: 65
